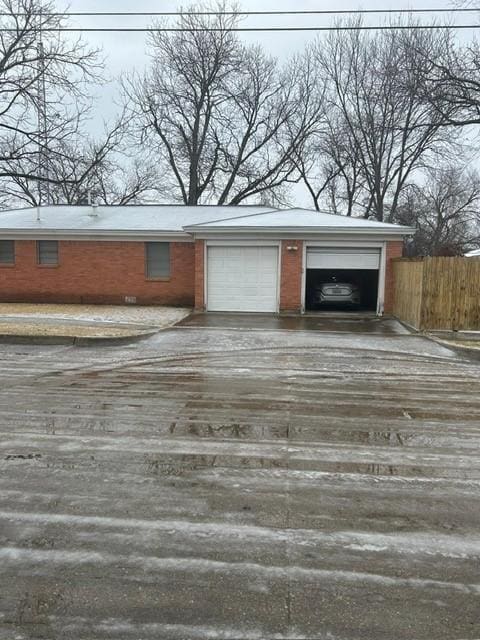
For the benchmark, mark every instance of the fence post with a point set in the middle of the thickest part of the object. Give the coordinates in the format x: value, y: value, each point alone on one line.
x: 424, y: 297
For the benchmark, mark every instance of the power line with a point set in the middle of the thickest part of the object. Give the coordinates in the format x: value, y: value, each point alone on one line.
x: 248, y: 29
x: 299, y: 12
x: 250, y: 13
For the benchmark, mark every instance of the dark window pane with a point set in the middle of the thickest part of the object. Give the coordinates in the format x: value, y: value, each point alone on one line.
x: 158, y: 259
x: 7, y: 251
x: 47, y: 252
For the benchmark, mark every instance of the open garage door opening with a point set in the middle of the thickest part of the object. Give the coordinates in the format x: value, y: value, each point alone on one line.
x: 342, y: 279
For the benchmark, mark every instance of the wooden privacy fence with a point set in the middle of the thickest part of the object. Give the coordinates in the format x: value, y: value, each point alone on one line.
x: 438, y: 293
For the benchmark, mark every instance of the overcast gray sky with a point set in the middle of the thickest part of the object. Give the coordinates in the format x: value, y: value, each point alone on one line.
x: 125, y: 52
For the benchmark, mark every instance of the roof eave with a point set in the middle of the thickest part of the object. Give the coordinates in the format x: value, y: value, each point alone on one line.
x: 88, y: 234
x: 399, y: 231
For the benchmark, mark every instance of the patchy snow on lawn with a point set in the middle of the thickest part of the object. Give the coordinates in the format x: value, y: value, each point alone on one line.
x: 155, y: 316
x: 41, y: 329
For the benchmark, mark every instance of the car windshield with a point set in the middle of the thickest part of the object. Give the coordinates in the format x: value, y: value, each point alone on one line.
x: 334, y: 285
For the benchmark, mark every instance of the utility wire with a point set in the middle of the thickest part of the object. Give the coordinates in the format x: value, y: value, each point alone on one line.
x: 251, y: 13
x: 266, y: 29
x: 167, y: 29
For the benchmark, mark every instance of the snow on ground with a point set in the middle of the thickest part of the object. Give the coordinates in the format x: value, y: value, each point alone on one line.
x: 212, y: 482
x: 156, y: 316
x: 85, y: 321
x: 40, y: 329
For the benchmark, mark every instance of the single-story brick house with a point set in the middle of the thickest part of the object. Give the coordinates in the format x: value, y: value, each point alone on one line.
x: 211, y: 257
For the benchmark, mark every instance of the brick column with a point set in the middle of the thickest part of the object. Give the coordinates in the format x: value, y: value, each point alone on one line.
x: 291, y: 276
x: 200, y: 275
x: 394, y: 250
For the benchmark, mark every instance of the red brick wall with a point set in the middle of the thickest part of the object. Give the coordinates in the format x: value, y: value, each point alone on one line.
x: 107, y: 272
x: 200, y: 275
x: 394, y: 250
x: 98, y: 272
x: 291, y: 276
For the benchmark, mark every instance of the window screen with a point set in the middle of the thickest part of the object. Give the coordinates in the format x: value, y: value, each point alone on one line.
x: 7, y: 252
x: 157, y: 259
x: 47, y: 252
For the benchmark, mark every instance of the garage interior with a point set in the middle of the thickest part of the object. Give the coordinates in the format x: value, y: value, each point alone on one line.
x: 357, y: 266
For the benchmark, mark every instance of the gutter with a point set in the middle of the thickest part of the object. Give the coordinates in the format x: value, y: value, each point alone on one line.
x: 107, y: 234
x: 199, y: 231
x: 402, y: 231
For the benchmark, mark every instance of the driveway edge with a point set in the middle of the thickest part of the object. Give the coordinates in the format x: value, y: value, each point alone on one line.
x: 78, y: 341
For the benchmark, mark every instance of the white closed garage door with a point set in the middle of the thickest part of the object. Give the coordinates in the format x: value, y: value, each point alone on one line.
x: 242, y: 278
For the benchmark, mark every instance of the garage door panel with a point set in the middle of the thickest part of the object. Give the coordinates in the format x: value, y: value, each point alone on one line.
x: 242, y: 278
x: 250, y: 277
x: 343, y: 258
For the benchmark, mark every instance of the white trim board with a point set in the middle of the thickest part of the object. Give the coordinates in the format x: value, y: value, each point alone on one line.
x: 320, y: 236
x: 144, y: 236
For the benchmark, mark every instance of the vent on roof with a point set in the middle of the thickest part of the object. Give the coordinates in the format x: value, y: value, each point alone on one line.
x: 93, y: 212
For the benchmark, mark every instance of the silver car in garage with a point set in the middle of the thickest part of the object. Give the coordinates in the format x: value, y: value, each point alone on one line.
x: 333, y: 293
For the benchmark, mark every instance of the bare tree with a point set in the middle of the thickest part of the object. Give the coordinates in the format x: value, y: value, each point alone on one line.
x: 33, y: 52
x: 374, y: 83
x: 272, y: 113
x: 446, y: 211
x: 223, y: 118
x: 329, y: 166
x: 451, y: 81
x: 83, y: 169
x: 317, y: 176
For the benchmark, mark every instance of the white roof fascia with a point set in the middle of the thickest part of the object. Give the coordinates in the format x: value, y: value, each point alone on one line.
x: 338, y: 239
x: 296, y: 232
x: 100, y: 235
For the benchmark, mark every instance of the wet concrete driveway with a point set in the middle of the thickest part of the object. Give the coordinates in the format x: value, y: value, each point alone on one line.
x: 240, y: 484
x: 345, y: 322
